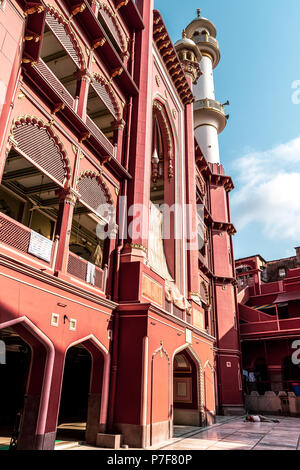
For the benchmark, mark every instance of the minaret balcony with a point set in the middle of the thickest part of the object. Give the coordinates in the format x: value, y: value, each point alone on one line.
x: 209, y: 45
x: 208, y: 111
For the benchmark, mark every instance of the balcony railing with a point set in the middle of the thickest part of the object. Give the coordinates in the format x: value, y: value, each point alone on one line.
x: 22, y: 238
x: 78, y: 267
x: 47, y: 74
x: 98, y: 134
x: 204, y: 38
x: 209, y: 104
x: 289, y: 324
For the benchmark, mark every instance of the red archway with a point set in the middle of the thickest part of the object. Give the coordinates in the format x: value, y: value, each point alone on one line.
x: 28, y: 426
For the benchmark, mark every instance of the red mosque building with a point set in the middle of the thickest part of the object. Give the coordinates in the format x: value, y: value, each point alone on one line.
x: 137, y: 332
x: 269, y: 316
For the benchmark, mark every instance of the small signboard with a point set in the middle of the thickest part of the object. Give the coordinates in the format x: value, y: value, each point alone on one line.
x: 40, y: 246
x: 188, y: 336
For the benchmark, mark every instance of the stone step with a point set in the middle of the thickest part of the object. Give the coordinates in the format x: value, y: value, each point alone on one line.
x: 110, y: 441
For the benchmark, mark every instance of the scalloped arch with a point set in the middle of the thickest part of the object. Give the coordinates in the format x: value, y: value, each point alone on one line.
x: 106, y: 8
x: 166, y: 128
x: 76, y: 53
x: 113, y: 104
x: 44, y: 147
x: 91, y: 196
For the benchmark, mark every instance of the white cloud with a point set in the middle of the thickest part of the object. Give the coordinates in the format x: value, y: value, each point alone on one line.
x: 268, y: 191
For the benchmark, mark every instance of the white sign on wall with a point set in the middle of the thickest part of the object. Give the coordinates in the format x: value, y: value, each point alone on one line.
x: 40, y: 246
x: 188, y: 336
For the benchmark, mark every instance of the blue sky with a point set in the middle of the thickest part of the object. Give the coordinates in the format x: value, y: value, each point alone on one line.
x: 260, y: 148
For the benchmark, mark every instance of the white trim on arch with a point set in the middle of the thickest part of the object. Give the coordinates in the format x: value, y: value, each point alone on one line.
x: 47, y: 379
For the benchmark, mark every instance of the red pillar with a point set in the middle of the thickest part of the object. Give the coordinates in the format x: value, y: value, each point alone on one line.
x: 83, y: 90
x: 140, y: 148
x: 65, y: 216
x: 119, y: 127
x: 47, y: 440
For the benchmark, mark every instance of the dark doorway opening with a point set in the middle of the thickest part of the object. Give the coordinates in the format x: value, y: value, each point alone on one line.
x: 72, y: 421
x: 13, y: 384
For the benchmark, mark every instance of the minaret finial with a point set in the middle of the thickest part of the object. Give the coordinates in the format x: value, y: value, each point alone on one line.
x: 183, y: 33
x: 199, y: 12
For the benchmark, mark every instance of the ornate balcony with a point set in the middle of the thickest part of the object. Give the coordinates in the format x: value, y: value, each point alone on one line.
x: 208, y: 111
x: 208, y: 44
x: 209, y: 104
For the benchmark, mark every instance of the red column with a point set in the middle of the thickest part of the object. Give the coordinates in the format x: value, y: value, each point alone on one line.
x: 84, y: 80
x: 119, y: 127
x: 46, y: 441
x: 140, y: 148
x: 65, y: 216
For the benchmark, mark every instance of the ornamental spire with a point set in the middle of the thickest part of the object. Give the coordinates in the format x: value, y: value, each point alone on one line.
x: 199, y: 12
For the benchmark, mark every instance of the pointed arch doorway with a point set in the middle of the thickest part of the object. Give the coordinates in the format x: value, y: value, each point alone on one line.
x: 187, y: 385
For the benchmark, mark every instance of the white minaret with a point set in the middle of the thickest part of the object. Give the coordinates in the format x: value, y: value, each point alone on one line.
x: 209, y: 114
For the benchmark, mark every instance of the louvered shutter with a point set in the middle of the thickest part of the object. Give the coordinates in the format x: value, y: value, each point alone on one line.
x: 38, y: 145
x: 63, y: 37
x: 92, y: 193
x: 102, y: 92
x: 117, y: 35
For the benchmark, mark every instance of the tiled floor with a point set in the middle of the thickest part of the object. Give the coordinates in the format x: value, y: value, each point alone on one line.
x: 238, y: 435
x: 233, y: 434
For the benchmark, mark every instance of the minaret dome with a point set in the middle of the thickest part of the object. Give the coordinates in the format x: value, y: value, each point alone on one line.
x: 203, y: 32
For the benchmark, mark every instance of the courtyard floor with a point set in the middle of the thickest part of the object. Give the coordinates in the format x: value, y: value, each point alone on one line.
x: 227, y: 434
x: 238, y: 435
x: 232, y: 434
